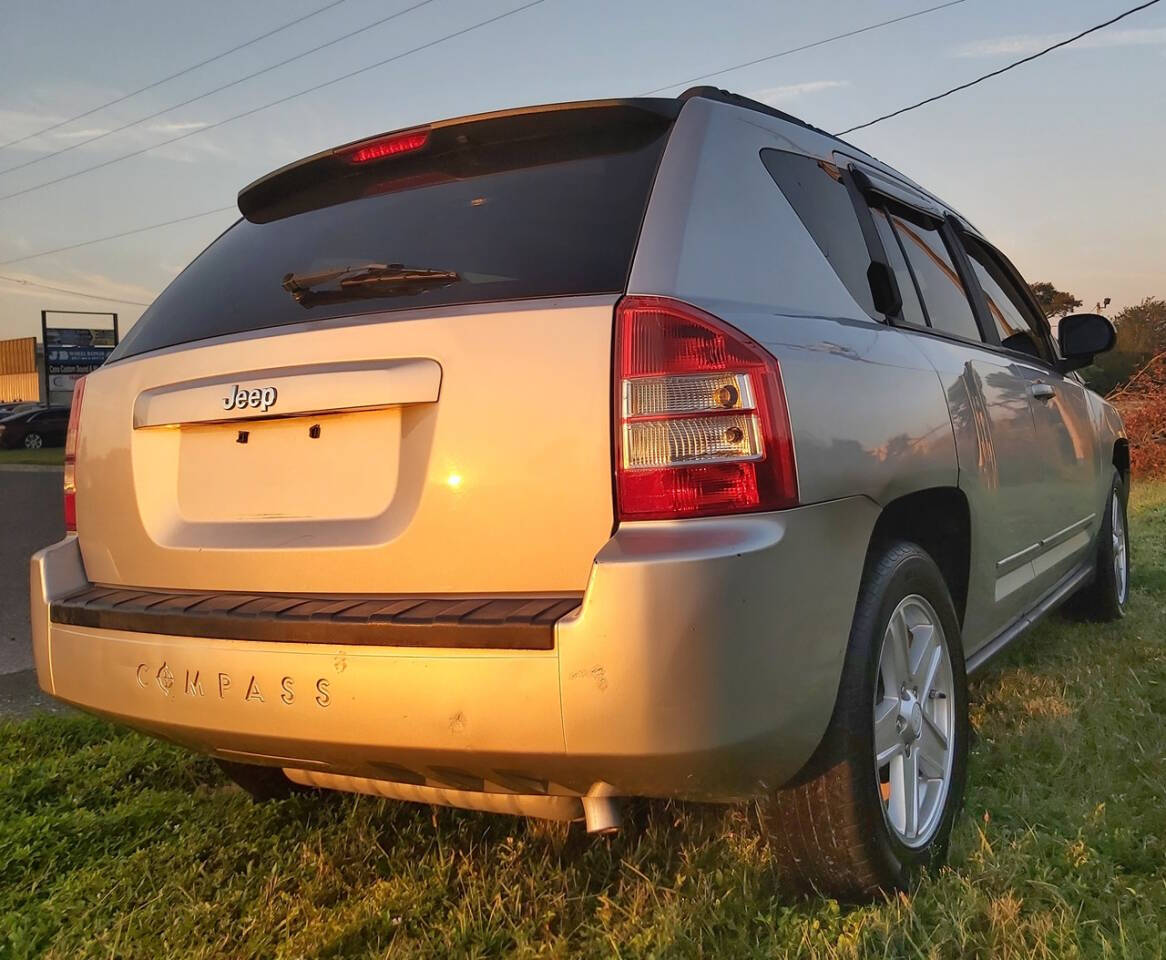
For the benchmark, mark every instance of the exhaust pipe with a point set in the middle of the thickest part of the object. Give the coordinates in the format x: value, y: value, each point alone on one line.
x: 601, y: 811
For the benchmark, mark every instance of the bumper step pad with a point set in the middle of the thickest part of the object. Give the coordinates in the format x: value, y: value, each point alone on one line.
x: 487, y: 622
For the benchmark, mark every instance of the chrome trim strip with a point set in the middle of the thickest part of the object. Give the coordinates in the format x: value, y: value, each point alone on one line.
x: 1040, y: 545
x: 1058, y: 594
x: 1016, y: 557
x: 1064, y: 534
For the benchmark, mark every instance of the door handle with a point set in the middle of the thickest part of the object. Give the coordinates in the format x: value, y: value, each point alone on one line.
x: 1043, y: 391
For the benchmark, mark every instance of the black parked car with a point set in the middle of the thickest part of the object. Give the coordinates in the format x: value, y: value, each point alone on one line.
x: 19, y: 406
x: 33, y: 429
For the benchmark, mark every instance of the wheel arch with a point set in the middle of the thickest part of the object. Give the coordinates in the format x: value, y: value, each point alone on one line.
x: 938, y: 519
x: 1121, y: 460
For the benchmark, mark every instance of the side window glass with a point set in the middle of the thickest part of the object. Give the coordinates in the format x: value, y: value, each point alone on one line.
x: 816, y: 192
x: 939, y: 282
x: 1019, y: 330
x: 912, y: 307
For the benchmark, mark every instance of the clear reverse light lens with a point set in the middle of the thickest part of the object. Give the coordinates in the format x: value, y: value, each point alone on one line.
x: 646, y: 396
x: 691, y: 440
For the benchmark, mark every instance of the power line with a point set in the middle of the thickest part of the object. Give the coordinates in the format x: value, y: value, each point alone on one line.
x: 219, y: 89
x: 174, y: 76
x: 804, y: 46
x: 996, y: 73
x: 205, y: 213
x: 72, y: 293
x: 115, y: 236
x: 274, y: 103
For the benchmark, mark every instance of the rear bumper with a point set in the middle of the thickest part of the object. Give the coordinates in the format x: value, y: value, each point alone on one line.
x: 703, y: 663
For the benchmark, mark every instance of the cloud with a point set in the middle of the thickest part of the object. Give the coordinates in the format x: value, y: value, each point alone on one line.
x: 776, y: 96
x: 16, y: 123
x: 1022, y: 44
x: 79, y: 134
x: 177, y: 127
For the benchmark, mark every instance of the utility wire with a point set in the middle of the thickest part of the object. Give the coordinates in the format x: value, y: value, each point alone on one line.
x: 174, y: 76
x: 804, y: 46
x: 115, y: 236
x: 219, y: 89
x: 783, y: 53
x: 274, y: 103
x: 72, y: 293
x: 996, y: 73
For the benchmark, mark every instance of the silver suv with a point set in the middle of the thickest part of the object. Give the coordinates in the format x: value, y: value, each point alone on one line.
x: 529, y: 461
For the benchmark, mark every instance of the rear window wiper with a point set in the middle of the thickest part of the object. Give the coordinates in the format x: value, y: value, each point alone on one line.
x: 365, y: 281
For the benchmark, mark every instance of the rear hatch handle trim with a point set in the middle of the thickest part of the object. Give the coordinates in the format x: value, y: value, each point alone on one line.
x: 290, y: 392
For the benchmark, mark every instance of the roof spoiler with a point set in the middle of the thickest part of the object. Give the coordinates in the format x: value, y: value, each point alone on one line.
x: 343, y: 172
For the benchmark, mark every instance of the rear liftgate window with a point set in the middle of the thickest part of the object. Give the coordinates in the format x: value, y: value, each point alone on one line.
x: 547, y: 204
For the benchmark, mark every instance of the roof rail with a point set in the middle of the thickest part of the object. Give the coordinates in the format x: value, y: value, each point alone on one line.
x: 736, y: 100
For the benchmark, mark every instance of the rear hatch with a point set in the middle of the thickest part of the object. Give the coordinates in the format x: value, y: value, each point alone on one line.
x: 392, y: 377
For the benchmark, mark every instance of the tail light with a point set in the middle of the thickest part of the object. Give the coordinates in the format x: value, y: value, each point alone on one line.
x: 700, y: 416
x: 71, y: 457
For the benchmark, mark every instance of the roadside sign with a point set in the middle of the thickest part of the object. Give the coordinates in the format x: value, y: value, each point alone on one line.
x: 72, y: 352
x: 63, y: 365
x: 78, y: 337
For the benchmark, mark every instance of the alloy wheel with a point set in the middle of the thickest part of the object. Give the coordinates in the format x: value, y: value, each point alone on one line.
x: 1120, y: 564
x: 914, y: 721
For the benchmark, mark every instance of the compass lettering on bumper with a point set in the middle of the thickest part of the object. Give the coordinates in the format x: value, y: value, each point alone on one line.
x: 247, y: 687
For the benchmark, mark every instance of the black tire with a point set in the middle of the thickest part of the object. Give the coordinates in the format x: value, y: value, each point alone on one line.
x: 33, y: 441
x: 264, y: 784
x: 828, y: 827
x: 1104, y: 598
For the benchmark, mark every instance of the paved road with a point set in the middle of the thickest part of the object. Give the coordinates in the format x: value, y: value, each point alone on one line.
x: 30, y: 518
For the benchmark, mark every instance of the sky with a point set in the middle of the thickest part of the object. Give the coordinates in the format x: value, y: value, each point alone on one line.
x: 1057, y: 162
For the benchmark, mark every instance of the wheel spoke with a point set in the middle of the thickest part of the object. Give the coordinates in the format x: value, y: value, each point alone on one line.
x: 886, y: 732
x: 895, y: 665
x: 921, y: 649
x: 928, y: 668
x: 905, y: 792
x: 932, y: 750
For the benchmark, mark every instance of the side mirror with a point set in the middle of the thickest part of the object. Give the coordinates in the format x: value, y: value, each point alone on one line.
x: 1081, y: 337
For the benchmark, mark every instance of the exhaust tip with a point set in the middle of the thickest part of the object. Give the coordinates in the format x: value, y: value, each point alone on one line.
x: 602, y: 815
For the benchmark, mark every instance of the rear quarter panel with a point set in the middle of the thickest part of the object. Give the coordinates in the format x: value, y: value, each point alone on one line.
x: 867, y: 408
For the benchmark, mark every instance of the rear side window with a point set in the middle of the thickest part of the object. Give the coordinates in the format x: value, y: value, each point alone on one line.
x: 535, y: 215
x: 816, y: 192
x: 1015, y: 321
x: 939, y: 282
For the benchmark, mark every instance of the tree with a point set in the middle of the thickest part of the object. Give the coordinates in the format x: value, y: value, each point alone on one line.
x: 1141, y: 335
x: 1054, y: 302
x: 1142, y: 328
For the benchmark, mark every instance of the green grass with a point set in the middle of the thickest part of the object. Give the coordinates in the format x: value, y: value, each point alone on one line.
x: 115, y: 845
x: 51, y: 455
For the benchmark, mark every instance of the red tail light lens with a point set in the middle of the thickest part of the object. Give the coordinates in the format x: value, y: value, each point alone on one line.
x: 383, y: 147
x: 71, y: 457
x: 701, y: 421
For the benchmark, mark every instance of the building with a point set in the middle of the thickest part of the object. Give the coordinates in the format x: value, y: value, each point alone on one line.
x: 21, y: 370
